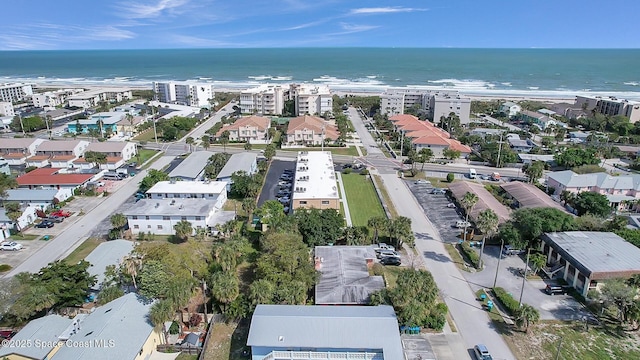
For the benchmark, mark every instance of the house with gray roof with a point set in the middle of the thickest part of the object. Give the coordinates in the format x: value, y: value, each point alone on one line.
x: 520, y: 146
x: 586, y: 258
x: 44, y: 331
x: 318, y: 332
x: 106, y: 254
x: 620, y: 190
x: 344, y: 275
x: 41, y: 198
x: 192, y: 167
x: 244, y: 161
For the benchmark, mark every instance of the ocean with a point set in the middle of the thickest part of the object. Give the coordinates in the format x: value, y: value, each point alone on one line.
x: 508, y: 72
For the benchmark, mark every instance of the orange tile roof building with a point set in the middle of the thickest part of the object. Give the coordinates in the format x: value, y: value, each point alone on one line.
x: 251, y: 129
x: 308, y: 130
x: 424, y: 134
x: 51, y: 178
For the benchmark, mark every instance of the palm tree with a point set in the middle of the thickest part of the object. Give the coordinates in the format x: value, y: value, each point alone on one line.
x: 130, y: 119
x: 202, y: 234
x: 248, y: 205
x: 400, y: 231
x: 206, y: 142
x: 225, y: 287
x: 161, y: 312
x: 183, y: 230
x: 261, y: 292
x: 224, y: 139
x: 425, y: 155
x: 469, y: 200
x: 118, y: 221
x: 190, y: 141
x: 487, y: 223
x: 526, y: 315
x: 130, y: 265
x: 377, y: 223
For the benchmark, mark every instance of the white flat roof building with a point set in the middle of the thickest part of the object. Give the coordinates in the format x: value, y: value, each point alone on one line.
x: 264, y: 99
x: 6, y: 109
x: 15, y: 92
x: 188, y: 188
x: 184, y: 92
x: 315, y: 181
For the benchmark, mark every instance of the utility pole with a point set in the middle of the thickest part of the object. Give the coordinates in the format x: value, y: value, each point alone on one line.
x: 524, y: 276
x: 495, y: 280
x: 153, y: 118
x: 401, y: 147
x: 21, y: 125
x: 499, y: 151
x: 204, y: 300
x: 322, y: 137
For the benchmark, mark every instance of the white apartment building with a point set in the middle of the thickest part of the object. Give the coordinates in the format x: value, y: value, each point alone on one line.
x: 214, y: 191
x: 184, y: 93
x: 52, y: 98
x: 6, y: 109
x: 91, y: 98
x: 443, y: 104
x: 311, y: 99
x: 315, y: 185
x: 610, y: 106
x: 397, y: 101
x: 264, y: 99
x: 15, y: 92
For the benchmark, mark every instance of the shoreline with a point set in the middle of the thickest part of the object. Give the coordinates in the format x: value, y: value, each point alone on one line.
x: 487, y: 95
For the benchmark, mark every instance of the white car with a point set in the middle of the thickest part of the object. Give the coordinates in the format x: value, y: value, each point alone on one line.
x: 10, y: 246
x: 462, y: 224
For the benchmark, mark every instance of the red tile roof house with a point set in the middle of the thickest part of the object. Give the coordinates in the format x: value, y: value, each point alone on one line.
x: 424, y: 134
x: 61, y: 153
x: 252, y: 129
x: 307, y: 130
x: 49, y: 178
x: 16, y: 151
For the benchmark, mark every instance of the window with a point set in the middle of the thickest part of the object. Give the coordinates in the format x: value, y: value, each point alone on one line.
x: 325, y: 202
x: 134, y: 217
x: 303, y: 202
x: 148, y: 226
x: 184, y: 218
x: 146, y: 217
x: 198, y: 218
x: 165, y: 218
x: 159, y: 227
x: 136, y: 226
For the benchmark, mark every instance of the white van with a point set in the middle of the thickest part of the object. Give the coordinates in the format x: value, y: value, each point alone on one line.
x: 472, y: 173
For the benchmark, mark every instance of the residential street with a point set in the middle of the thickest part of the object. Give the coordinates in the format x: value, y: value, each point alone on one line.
x: 62, y: 245
x: 470, y: 319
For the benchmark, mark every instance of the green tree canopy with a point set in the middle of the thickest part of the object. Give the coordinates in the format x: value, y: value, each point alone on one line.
x: 153, y: 177
x: 319, y: 227
x: 576, y: 156
x: 596, y: 204
x: 533, y: 222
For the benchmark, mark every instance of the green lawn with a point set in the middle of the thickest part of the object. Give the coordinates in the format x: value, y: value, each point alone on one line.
x: 351, y: 151
x: 145, y: 154
x: 147, y: 135
x: 21, y: 236
x: 83, y: 250
x: 385, y: 196
x: 362, y: 199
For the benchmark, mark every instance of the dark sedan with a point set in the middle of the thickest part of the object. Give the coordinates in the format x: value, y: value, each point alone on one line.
x: 45, y: 224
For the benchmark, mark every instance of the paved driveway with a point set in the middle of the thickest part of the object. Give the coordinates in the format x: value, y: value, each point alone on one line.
x: 270, y: 187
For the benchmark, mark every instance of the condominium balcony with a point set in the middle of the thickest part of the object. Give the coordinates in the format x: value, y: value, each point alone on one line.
x: 328, y: 355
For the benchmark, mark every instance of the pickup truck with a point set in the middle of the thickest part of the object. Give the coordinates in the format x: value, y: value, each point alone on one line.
x: 382, y: 246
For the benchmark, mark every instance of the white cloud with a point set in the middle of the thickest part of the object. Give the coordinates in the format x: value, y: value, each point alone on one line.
x: 150, y: 10
x: 383, y: 10
x: 51, y: 36
x: 194, y: 41
x: 354, y: 28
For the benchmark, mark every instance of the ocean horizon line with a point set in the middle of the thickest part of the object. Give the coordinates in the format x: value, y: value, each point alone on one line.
x: 325, y: 47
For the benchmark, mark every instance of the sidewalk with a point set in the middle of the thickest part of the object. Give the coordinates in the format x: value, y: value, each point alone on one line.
x: 343, y: 199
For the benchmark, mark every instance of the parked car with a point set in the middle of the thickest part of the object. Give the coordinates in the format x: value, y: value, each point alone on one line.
x: 55, y: 219
x: 7, y: 334
x: 60, y: 213
x: 422, y: 182
x: 391, y: 260
x: 284, y: 200
x: 481, y: 352
x: 510, y: 250
x: 462, y: 224
x: 438, y: 191
x: 382, y: 246
x: 45, y: 224
x: 10, y: 246
x: 556, y: 289
x: 386, y: 253
x: 451, y: 205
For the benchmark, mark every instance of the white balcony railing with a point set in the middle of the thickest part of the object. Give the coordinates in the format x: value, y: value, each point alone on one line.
x: 323, y: 355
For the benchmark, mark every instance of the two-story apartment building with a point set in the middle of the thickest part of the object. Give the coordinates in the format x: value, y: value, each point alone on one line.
x: 104, y: 123
x: 309, y: 130
x: 540, y: 119
x: 91, y: 98
x: 16, y: 151
x: 60, y: 154
x: 214, y: 191
x: 424, y: 134
x: 252, y: 129
x: 620, y: 190
x: 314, y: 184
x: 117, y: 152
x: 510, y: 109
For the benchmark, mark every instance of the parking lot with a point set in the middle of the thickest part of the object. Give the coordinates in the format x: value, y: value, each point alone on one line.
x: 15, y: 258
x: 435, y: 207
x: 271, y: 186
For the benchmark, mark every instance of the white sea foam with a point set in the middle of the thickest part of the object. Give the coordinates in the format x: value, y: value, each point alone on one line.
x: 533, y: 88
x: 632, y: 83
x: 506, y: 84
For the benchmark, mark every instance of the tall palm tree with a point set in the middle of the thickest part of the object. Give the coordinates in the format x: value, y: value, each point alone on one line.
x: 225, y: 287
x: 130, y: 265
x: 183, y: 230
x: 468, y: 201
x: 378, y: 223
x: 189, y: 141
x: 487, y: 222
x: 118, y: 221
x: 161, y: 312
x: 224, y: 139
x: 261, y: 292
x: 248, y: 205
x: 526, y: 315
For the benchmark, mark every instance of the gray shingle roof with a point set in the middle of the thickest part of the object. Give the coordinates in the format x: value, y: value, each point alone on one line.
x: 238, y: 162
x: 192, y: 166
x: 602, y: 255
x: 529, y: 196
x: 124, y: 321
x: 344, y: 276
x: 602, y: 180
x: 31, y: 195
x: 44, y: 330
x: 331, y: 327
x: 108, y: 253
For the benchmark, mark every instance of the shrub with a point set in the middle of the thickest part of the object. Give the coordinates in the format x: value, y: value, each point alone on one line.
x: 6, y: 267
x: 378, y: 269
x: 346, y: 171
x: 470, y: 254
x: 509, y: 303
x: 195, y: 320
x: 364, y: 172
x: 450, y: 177
x: 437, y: 317
x: 174, y: 328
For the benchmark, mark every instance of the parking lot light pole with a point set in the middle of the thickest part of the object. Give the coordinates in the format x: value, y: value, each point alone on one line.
x: 495, y: 280
x: 524, y: 276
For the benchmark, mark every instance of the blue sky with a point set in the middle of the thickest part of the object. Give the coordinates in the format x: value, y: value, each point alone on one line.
x: 141, y: 24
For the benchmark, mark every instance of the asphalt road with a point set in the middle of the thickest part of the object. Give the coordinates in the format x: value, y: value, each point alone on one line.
x: 63, y: 244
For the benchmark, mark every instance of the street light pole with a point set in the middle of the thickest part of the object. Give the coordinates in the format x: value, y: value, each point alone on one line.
x: 153, y: 118
x: 524, y: 276
x: 499, y: 151
x: 401, y: 147
x: 495, y: 280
